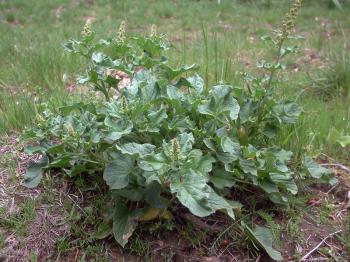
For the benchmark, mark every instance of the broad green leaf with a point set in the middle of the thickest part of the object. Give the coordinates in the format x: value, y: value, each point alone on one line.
x: 156, y: 117
x: 153, y: 197
x: 270, y: 130
x: 131, y: 193
x: 226, y: 158
x: 209, y: 144
x: 81, y: 80
x: 151, y: 176
x: 233, y: 148
x: 192, y: 191
x: 269, y: 187
x: 221, y: 179
x: 278, y: 198
x: 221, y: 132
x: 153, y: 162
x: 174, y: 93
x: 117, y: 128
x: 250, y: 152
x: 66, y: 110
x: 97, y: 57
x: 281, y: 154
x: 35, y: 172
x: 289, y: 50
x: 209, y: 108
x: 334, y: 136
x: 263, y: 237
x: 112, y: 109
x: 116, y: 173
x: 77, y: 169
x: 221, y: 102
x: 171, y: 73
x: 247, y: 112
x: 319, y: 172
x: 231, y: 105
x: 196, y: 161
x: 344, y: 141
x: 216, y: 202
x: 235, y: 205
x: 287, y: 112
x: 61, y: 161
x: 285, y: 181
x: 144, y: 87
x: 315, y: 170
x: 137, y: 149
x: 196, y: 82
x: 124, y: 224
x: 33, y: 149
x: 181, y: 123
x: 186, y: 140
x: 220, y: 91
x: 55, y: 149
x: 152, y: 47
x: 72, y: 46
x: 248, y: 166
x: 205, y: 164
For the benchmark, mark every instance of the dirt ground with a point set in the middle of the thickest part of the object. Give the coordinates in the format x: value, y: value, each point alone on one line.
x: 34, y: 224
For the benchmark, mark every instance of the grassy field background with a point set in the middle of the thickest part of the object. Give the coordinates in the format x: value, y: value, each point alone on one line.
x: 33, y: 65
x: 224, y: 39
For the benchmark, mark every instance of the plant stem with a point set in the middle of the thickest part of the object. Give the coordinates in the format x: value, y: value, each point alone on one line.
x: 206, y: 56
x: 272, y: 72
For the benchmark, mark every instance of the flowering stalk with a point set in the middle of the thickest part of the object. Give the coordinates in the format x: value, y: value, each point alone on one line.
x: 153, y: 31
x: 287, y: 26
x: 121, y: 33
x: 175, y: 149
x: 87, y: 31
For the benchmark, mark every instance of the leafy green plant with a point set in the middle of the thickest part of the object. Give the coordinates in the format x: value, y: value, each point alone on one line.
x: 164, y: 138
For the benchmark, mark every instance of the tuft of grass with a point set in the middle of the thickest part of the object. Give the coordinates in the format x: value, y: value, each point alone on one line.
x: 334, y: 80
x: 345, y: 236
x: 313, y: 131
x: 18, y: 221
x: 139, y: 246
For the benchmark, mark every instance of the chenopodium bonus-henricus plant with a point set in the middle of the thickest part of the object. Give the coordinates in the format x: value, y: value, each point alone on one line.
x: 166, y: 138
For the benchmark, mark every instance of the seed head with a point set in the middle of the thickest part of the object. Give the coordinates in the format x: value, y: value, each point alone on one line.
x: 87, y: 31
x: 40, y: 118
x: 288, y: 22
x: 153, y: 31
x: 71, y: 130
x: 121, y: 33
x: 175, y: 148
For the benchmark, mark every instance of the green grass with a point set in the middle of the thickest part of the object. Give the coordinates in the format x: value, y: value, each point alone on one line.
x: 18, y: 222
